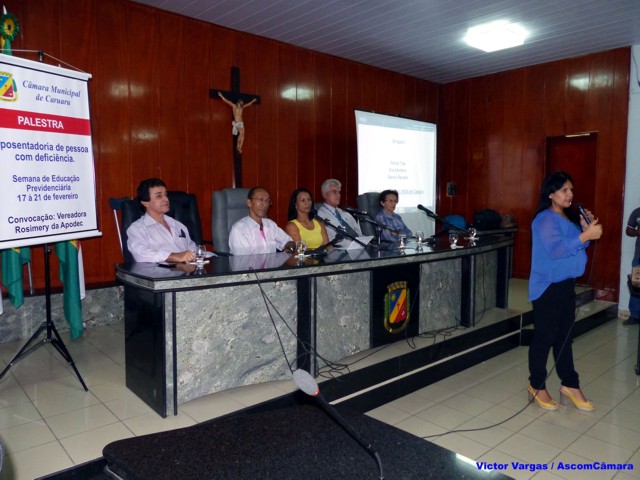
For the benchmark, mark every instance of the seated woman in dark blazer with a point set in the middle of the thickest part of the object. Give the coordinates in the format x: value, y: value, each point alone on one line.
x: 302, y: 226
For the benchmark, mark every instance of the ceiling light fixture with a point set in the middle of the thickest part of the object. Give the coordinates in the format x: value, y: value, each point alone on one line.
x: 494, y: 36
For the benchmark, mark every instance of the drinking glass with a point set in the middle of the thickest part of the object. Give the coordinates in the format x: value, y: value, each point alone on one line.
x: 201, y: 252
x: 472, y: 233
x: 301, y: 247
x: 453, y: 239
x: 403, y: 240
x: 419, y: 238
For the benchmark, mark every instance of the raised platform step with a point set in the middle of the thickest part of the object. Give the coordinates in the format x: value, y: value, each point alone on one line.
x: 388, y: 380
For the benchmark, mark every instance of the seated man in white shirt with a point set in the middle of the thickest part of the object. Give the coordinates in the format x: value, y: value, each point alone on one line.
x: 329, y: 211
x: 157, y: 237
x: 255, y: 233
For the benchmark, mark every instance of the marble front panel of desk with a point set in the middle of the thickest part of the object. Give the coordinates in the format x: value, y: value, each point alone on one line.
x: 486, y: 283
x: 344, y: 304
x: 226, y: 337
x: 342, y: 315
x: 440, y: 295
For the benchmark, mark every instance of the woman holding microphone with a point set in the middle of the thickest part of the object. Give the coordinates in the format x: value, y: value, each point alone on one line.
x: 558, y: 257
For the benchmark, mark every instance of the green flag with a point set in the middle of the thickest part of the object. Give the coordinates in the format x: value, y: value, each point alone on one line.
x: 12, y: 261
x: 67, y: 252
x: 13, y: 258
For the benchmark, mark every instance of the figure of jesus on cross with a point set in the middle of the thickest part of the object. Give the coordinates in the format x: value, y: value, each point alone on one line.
x: 237, y: 123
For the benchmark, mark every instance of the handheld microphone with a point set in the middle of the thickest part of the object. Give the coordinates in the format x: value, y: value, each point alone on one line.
x: 353, y: 211
x: 583, y: 212
x: 305, y: 382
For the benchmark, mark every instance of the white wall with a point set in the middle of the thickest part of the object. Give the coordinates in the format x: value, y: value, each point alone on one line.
x: 632, y: 180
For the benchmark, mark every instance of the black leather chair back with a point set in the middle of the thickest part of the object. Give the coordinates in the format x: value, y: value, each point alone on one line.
x: 184, y: 208
x: 369, y: 202
x: 130, y: 211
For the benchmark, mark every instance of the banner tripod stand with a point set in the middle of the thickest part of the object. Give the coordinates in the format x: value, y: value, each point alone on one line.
x: 53, y: 337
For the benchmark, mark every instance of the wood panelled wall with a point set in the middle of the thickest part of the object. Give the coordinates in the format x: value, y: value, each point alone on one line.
x: 493, y: 137
x: 152, y: 115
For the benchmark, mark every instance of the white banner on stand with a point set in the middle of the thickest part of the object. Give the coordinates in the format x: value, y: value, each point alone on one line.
x: 47, y: 185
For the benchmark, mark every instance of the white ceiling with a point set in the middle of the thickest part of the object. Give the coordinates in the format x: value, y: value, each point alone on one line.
x: 423, y: 38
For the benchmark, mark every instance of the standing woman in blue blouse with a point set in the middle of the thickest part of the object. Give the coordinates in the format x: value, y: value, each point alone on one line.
x: 558, y: 257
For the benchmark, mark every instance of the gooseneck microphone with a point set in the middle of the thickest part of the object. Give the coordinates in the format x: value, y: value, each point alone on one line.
x: 427, y: 211
x: 353, y: 211
x: 337, y: 239
x: 583, y: 212
x: 340, y: 230
x: 308, y: 385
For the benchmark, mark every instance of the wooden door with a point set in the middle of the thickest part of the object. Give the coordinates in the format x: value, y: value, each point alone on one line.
x: 576, y: 155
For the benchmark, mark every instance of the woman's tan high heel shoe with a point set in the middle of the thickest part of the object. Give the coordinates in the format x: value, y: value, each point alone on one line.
x: 533, y: 395
x: 566, y: 398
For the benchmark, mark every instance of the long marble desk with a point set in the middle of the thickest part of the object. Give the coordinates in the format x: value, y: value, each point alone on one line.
x: 242, y: 320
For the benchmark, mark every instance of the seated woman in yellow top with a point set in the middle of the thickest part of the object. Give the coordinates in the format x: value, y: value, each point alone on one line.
x: 302, y: 225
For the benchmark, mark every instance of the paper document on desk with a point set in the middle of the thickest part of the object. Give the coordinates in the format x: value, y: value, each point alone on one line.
x: 360, y: 242
x: 357, y: 254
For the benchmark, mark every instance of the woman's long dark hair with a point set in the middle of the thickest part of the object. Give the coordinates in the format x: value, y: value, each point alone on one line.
x: 292, y: 213
x: 552, y: 184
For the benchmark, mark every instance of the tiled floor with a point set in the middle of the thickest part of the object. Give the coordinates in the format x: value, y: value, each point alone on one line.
x: 48, y: 422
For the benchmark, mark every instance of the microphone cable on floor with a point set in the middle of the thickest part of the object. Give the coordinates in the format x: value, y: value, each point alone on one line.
x: 529, y: 402
x: 308, y: 349
x: 533, y: 398
x: 335, y: 367
x: 306, y: 383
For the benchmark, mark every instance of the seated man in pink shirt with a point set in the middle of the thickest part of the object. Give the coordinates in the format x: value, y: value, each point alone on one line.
x: 157, y: 237
x: 255, y: 233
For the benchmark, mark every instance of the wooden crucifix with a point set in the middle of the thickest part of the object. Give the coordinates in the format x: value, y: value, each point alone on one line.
x: 238, y: 102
